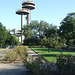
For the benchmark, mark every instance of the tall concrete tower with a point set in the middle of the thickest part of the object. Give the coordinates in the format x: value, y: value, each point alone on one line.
x: 27, y: 5
x: 22, y: 12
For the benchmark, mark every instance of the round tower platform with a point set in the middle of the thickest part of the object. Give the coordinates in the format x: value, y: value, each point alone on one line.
x: 28, y: 4
x: 22, y: 11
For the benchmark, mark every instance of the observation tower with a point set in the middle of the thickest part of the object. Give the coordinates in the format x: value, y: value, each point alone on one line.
x: 22, y: 12
x: 27, y: 6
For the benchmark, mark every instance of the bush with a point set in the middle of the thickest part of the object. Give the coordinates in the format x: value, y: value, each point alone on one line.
x: 20, y: 51
x: 11, y: 56
x: 72, y: 48
x: 65, y: 65
x: 39, y: 66
x: 34, y: 46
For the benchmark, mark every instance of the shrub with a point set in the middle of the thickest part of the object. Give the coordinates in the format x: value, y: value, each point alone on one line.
x: 11, y: 56
x: 65, y: 65
x: 20, y: 51
x: 39, y: 66
x: 72, y: 48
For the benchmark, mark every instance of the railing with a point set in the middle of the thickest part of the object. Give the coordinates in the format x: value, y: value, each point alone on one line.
x: 27, y: 1
x: 22, y: 9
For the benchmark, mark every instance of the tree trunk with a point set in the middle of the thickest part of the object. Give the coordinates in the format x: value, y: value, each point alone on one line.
x: 1, y: 45
x: 49, y: 50
x: 67, y: 41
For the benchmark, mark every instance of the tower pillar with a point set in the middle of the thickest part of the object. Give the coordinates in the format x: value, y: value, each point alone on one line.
x: 22, y: 23
x: 28, y: 18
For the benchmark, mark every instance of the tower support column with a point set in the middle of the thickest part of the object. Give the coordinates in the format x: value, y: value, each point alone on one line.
x: 28, y: 18
x: 22, y: 23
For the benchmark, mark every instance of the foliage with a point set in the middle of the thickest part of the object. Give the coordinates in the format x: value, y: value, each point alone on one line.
x: 33, y: 32
x: 11, y: 56
x: 72, y: 48
x: 39, y: 28
x: 20, y: 51
x: 51, y: 38
x: 11, y: 40
x: 51, y: 57
x: 51, y: 31
x: 66, y: 65
x: 27, y: 32
x: 53, y: 42
x: 29, y: 39
x: 36, y: 31
x: 14, y: 41
x: 67, y: 28
x: 3, y: 34
x: 38, y: 67
x: 6, y: 38
x: 31, y: 42
x: 71, y: 42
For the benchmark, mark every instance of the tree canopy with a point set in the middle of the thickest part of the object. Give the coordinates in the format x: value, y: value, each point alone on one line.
x: 67, y: 28
x: 11, y: 40
x: 3, y: 34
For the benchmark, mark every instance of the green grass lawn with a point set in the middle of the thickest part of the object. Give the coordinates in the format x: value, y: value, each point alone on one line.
x: 51, y: 57
x: 2, y: 48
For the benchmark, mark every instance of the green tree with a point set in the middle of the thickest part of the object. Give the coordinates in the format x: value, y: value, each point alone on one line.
x: 39, y: 27
x: 67, y: 28
x: 14, y: 40
x: 51, y: 38
x: 11, y: 40
x: 3, y: 34
x: 52, y: 42
x: 51, y: 31
x: 34, y: 31
x: 8, y: 40
x: 28, y: 32
x: 49, y: 42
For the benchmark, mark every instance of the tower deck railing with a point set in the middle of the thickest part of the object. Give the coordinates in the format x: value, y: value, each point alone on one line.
x: 28, y: 1
x: 22, y: 9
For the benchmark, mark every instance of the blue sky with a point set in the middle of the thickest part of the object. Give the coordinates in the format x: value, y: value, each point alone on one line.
x: 51, y: 11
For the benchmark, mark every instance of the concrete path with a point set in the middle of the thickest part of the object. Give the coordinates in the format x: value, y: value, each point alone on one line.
x: 3, y: 52
x: 32, y: 53
x: 12, y: 69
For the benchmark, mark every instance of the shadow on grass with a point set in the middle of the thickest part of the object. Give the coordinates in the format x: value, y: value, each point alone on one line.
x: 49, y: 55
x: 41, y: 49
x: 52, y: 55
x: 55, y: 50
x: 52, y: 50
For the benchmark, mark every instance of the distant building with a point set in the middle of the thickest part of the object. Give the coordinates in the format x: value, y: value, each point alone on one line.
x: 17, y: 33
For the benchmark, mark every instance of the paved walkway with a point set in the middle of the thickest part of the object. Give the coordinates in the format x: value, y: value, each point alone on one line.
x: 3, y: 52
x: 32, y: 53
x: 14, y: 69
